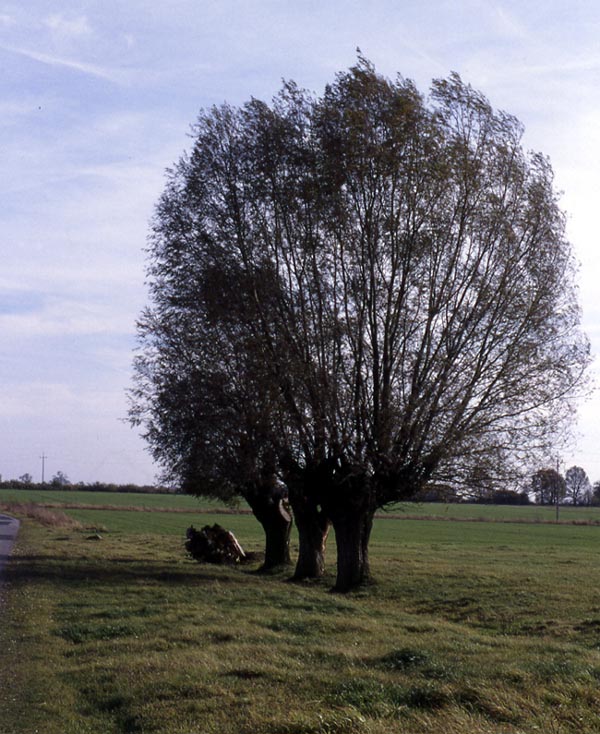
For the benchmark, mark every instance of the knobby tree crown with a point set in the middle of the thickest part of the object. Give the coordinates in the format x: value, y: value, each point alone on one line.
x: 368, y: 283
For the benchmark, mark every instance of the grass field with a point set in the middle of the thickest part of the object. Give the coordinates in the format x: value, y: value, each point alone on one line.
x: 471, y: 627
x: 115, y: 499
x: 180, y: 503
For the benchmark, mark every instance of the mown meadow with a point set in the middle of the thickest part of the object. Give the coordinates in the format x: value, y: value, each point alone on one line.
x: 470, y: 627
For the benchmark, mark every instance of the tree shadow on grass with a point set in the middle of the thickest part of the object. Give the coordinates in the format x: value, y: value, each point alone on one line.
x: 24, y: 570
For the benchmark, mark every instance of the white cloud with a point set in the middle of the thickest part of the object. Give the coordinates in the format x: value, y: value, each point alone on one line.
x: 16, y: 108
x: 112, y: 75
x: 68, y: 28
x: 6, y: 21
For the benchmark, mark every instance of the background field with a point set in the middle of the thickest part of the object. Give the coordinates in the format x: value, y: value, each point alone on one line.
x: 471, y: 627
x: 178, y: 502
x: 118, y: 499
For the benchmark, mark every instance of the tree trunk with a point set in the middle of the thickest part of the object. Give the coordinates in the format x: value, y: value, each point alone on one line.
x: 271, y: 513
x: 352, y: 527
x: 313, y: 528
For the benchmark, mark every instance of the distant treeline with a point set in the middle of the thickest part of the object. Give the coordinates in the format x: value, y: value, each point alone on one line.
x: 446, y: 494
x: 503, y: 497
x: 85, y: 487
x: 431, y: 493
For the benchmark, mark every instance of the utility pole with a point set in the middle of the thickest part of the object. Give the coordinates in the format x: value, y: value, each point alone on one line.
x: 43, y: 457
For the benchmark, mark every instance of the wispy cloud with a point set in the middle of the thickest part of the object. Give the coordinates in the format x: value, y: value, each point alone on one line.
x: 507, y: 23
x: 13, y: 108
x: 112, y: 75
x: 65, y: 317
x: 68, y: 28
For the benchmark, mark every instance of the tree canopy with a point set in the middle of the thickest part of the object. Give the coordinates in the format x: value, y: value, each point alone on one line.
x: 578, y: 486
x: 356, y: 294
x: 548, y: 486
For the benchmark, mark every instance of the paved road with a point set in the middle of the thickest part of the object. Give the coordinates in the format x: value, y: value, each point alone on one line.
x: 9, y: 528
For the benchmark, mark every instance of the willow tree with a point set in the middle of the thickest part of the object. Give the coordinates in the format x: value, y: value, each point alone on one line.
x: 393, y: 272
x: 206, y: 409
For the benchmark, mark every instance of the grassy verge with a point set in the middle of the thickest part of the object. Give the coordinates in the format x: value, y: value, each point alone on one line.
x: 470, y: 628
x: 43, y: 515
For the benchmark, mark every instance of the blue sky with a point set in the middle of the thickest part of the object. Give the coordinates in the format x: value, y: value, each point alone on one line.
x: 97, y: 100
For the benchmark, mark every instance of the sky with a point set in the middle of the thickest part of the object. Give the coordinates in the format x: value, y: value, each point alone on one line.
x: 97, y: 99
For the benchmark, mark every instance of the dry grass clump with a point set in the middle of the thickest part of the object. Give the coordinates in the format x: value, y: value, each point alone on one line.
x: 43, y: 515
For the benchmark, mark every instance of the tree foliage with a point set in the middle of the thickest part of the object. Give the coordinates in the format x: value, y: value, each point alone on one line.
x: 355, y: 295
x: 548, y: 486
x: 60, y: 479
x: 578, y: 486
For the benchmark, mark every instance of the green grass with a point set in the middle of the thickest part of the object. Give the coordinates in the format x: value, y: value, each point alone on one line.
x: 135, y: 523
x: 471, y: 627
x: 115, y: 499
x: 179, y: 502
x: 466, y: 511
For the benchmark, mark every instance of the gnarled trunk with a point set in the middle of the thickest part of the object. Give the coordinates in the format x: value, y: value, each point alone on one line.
x: 277, y: 527
x: 269, y: 508
x: 352, y: 527
x: 351, y: 506
x: 313, y: 528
